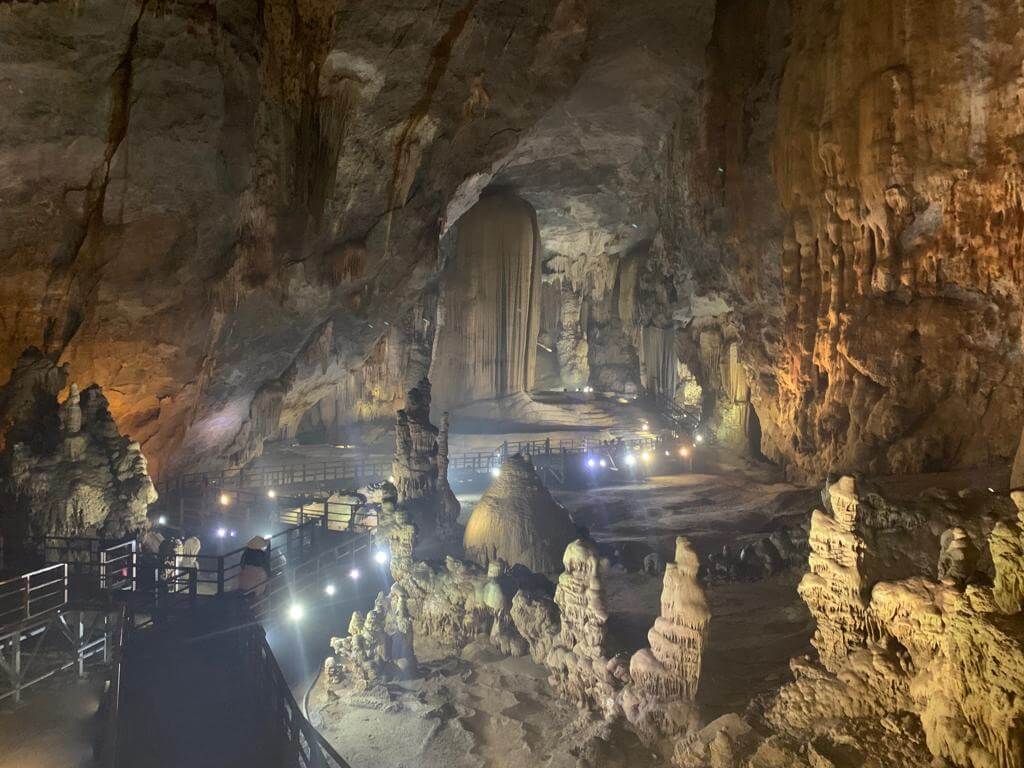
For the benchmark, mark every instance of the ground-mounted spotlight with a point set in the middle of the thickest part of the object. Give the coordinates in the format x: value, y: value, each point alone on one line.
x: 645, y: 457
x: 295, y: 612
x: 591, y: 463
x: 699, y: 437
x: 353, y: 574
x: 380, y: 557
x: 329, y: 590
x: 271, y: 494
x: 232, y: 533
x: 602, y: 463
x: 495, y: 471
x: 267, y: 536
x: 391, y: 478
x: 684, y: 451
x: 630, y: 460
x: 162, y: 520
x: 668, y: 453
x: 224, y: 499
x: 222, y: 532
x: 646, y: 427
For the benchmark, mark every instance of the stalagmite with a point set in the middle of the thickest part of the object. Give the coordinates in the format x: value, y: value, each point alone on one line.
x: 415, y: 464
x: 580, y: 669
x: 449, y: 506
x: 665, y: 676
x: 834, y: 586
x: 518, y: 521
x: 420, y: 465
x: 957, y: 557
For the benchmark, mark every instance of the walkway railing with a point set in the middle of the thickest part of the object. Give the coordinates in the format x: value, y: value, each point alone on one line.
x: 362, y: 472
x: 34, y: 595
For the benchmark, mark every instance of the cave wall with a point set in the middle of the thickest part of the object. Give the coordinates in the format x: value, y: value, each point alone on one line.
x: 212, y: 209
x: 854, y: 201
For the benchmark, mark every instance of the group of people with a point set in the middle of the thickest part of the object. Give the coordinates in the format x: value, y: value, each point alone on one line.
x: 171, y: 557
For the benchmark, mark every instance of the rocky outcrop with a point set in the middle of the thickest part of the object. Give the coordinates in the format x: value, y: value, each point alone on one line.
x: 64, y: 469
x: 517, y: 521
x: 946, y: 659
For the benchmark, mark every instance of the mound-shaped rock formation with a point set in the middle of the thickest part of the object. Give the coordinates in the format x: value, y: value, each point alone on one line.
x: 64, y: 469
x: 518, y: 521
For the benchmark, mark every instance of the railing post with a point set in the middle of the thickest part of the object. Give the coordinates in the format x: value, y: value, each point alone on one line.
x: 107, y: 638
x: 26, y: 599
x: 103, y: 569
x: 16, y: 664
x: 79, y: 643
x: 220, y: 575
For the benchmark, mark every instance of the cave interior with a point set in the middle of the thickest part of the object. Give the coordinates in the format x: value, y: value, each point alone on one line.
x: 650, y: 374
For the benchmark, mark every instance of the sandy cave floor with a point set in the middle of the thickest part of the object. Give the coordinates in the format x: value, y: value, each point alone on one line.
x: 481, y: 709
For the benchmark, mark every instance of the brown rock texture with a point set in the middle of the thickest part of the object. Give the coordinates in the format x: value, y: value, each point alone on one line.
x: 518, y: 522
x: 64, y: 468
x: 217, y: 211
x: 855, y: 203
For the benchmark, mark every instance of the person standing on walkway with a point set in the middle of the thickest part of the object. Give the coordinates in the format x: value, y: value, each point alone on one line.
x: 255, y: 563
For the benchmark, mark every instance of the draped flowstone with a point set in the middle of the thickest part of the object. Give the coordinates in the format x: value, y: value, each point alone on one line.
x: 489, y: 308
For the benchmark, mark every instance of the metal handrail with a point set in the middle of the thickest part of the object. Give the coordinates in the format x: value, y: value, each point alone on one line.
x: 34, y: 600
x: 237, y: 478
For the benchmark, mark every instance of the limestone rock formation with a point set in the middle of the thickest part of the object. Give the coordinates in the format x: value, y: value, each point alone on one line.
x: 943, y: 660
x: 1007, y: 547
x: 449, y: 507
x: 852, y: 207
x: 579, y: 665
x: 665, y: 676
x: 220, y: 189
x: 65, y: 468
x: 834, y: 587
x: 420, y: 466
x: 415, y: 464
x: 489, y: 308
x: 518, y: 521
x: 958, y: 557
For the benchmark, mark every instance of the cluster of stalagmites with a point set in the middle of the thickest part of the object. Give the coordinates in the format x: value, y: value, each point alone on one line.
x: 458, y: 603
x: 918, y: 671
x: 64, y: 468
